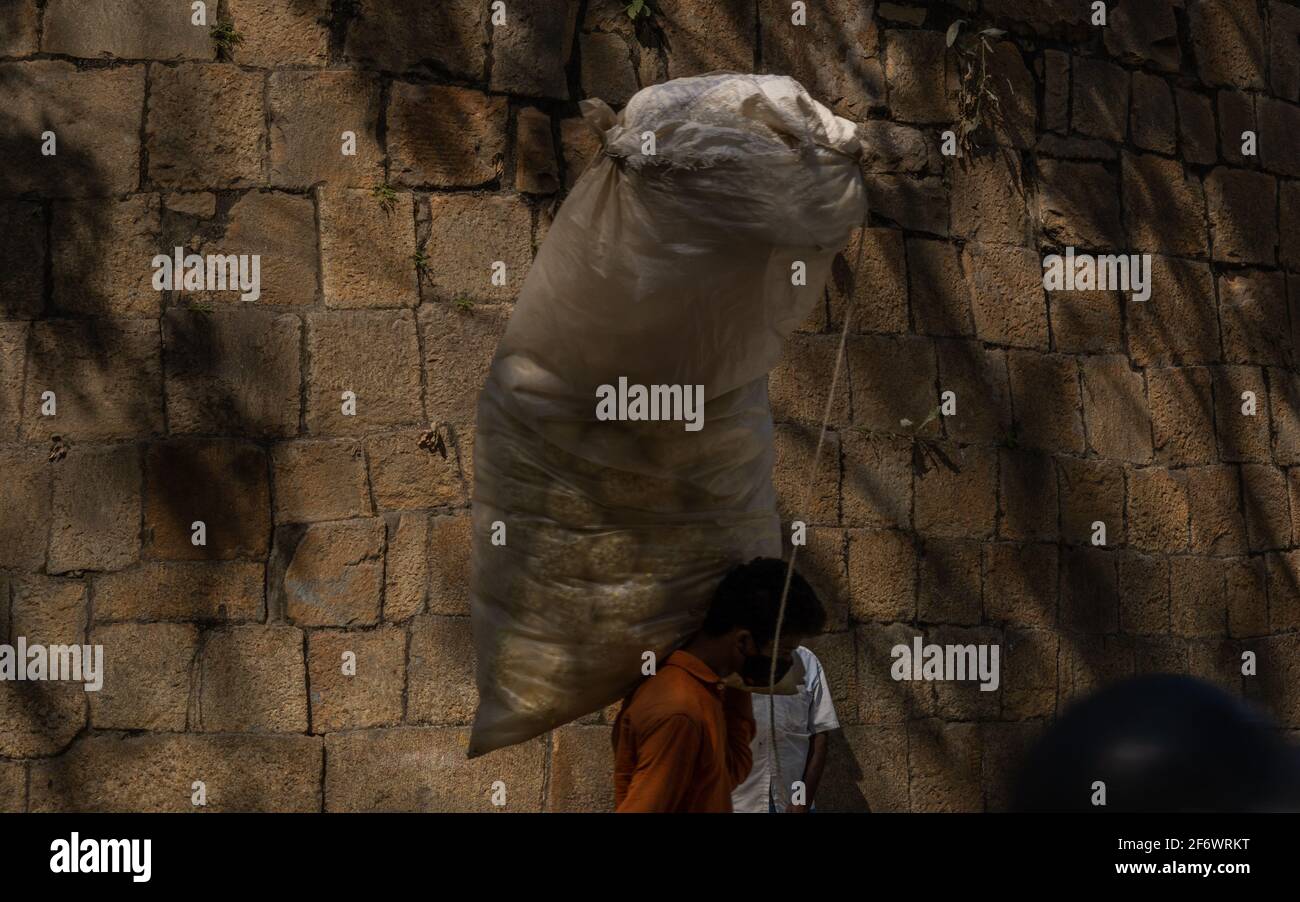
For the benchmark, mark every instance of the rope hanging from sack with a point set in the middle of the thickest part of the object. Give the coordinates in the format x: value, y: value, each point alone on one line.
x: 849, y: 306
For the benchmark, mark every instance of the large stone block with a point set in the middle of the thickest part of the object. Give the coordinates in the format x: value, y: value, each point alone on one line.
x: 319, y: 481
x: 1197, y: 604
x: 1218, y: 525
x: 1196, y: 129
x: 879, y: 291
x: 13, y: 774
x: 1177, y: 324
x: 22, y: 259
x: 1144, y: 33
x: 536, y: 169
x: 13, y: 357
x: 941, y: 294
x: 373, y: 354
x: 333, y: 572
x: 474, y: 243
x: 1027, y: 495
x: 1115, y: 408
x: 707, y: 35
x: 878, y: 474
x: 881, y: 698
x: 153, y: 772
x: 1240, y: 413
x: 531, y: 49
x: 406, y: 566
x: 918, y: 204
x: 357, y: 678
x: 1144, y: 594
x: 445, y: 137
x: 582, y: 764
x: 310, y: 111
x: 1092, y: 491
x: 233, y: 372
x: 1253, y: 318
x: 1228, y: 43
x: 105, y: 376
x: 1100, y: 100
x: 921, y: 81
x: 805, y: 492
x: 449, y: 549
x: 1182, y: 414
x: 19, y: 26
x: 608, y: 71
x: 442, y: 38
x: 1284, y: 65
x: 280, y: 229
x: 95, y: 117
x: 977, y: 377
x: 1045, y: 389
x: 126, y: 29
x: 960, y: 503
x: 206, y: 126
x: 797, y: 385
x: 458, y: 350
x: 441, y: 671
x: 221, y: 483
x: 1242, y: 207
x: 252, y: 680
x: 40, y: 718
x: 367, y: 249
x: 1164, y: 206
x: 1265, y: 505
x: 96, y: 522
x: 944, y: 763
x: 201, y: 592
x: 1007, y: 295
x: 1157, y: 510
x: 425, y: 769
x: 404, y: 476
x: 1020, y: 584
x: 989, y: 201
x: 101, y: 251
x: 833, y: 53
x: 27, y: 507
x: 893, y: 383
x: 147, y: 675
x: 866, y: 770
x: 882, y: 575
x: 1089, y: 590
x: 279, y: 34
x: 950, y: 585
x: 1078, y: 204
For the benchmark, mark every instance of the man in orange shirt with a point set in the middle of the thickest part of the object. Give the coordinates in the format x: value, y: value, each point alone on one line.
x: 682, y: 738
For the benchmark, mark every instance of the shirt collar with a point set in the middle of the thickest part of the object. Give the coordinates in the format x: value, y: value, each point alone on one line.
x: 694, y: 666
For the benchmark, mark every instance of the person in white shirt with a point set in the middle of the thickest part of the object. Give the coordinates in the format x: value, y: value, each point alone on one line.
x: 803, y: 721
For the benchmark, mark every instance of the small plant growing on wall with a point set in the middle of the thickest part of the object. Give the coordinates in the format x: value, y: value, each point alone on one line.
x: 386, y: 197
x: 977, y: 98
x: 225, y: 39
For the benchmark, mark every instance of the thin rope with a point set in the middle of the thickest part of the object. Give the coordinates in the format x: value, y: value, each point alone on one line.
x: 850, y: 304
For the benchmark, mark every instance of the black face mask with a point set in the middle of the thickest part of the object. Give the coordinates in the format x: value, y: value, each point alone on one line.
x: 757, y: 669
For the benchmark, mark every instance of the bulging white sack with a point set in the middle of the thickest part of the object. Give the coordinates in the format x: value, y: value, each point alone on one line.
x: 664, y: 268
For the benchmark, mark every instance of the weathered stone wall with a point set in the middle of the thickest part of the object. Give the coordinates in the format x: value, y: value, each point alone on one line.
x: 328, y: 533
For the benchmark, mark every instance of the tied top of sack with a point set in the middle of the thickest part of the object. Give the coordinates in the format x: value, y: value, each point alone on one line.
x: 717, y: 118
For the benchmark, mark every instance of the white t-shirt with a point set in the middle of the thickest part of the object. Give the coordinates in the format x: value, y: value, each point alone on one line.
x: 798, y: 718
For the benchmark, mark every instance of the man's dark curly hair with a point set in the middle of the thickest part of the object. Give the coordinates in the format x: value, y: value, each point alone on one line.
x: 750, y: 595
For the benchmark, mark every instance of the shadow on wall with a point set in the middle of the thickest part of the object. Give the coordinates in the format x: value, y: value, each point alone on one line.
x: 1068, y: 391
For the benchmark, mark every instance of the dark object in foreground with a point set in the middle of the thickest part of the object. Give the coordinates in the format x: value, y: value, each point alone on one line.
x: 1161, y: 743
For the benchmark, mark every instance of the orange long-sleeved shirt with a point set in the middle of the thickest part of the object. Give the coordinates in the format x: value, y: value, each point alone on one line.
x: 682, y: 740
